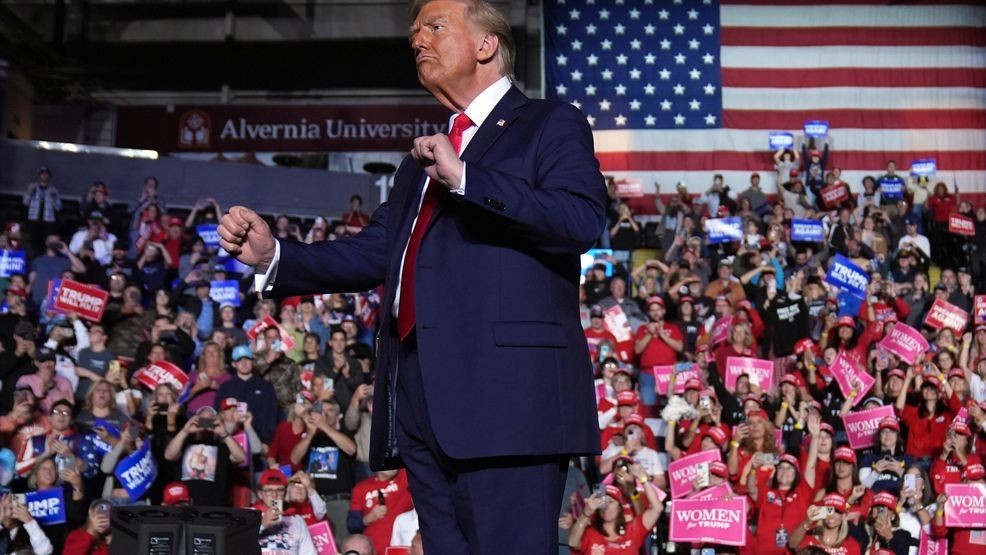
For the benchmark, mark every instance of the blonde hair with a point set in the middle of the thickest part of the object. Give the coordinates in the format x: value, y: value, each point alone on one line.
x: 490, y: 20
x: 87, y: 404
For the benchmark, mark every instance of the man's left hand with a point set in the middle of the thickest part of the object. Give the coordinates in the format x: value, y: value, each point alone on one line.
x: 439, y: 160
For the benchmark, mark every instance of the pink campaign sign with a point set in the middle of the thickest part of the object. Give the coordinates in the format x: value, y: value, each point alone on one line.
x: 930, y: 546
x: 966, y: 506
x: 681, y: 471
x: 715, y: 492
x: 851, y: 377
x: 861, y: 427
x: 662, y: 375
x: 905, y: 342
x: 720, y: 330
x: 325, y: 543
x: 720, y: 521
x: 758, y: 370
x: 979, y: 309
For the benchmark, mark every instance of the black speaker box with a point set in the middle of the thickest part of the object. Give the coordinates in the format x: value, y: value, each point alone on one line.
x: 184, y: 531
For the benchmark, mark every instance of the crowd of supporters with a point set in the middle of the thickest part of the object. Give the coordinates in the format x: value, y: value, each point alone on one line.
x: 266, y: 404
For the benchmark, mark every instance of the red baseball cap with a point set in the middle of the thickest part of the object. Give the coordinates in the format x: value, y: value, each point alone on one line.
x: 627, y: 398
x: 845, y: 454
x: 931, y: 380
x: 686, y: 299
x: 694, y: 384
x: 826, y: 427
x: 846, y: 321
x: 752, y: 397
x: 896, y: 373
x: 757, y: 413
x: 719, y: 468
x: 885, y: 499
x: 228, y: 403
x: 956, y: 373
x: 717, y: 435
x: 176, y: 221
x: 175, y: 493
x: 633, y: 420
x: 792, y: 379
x: 614, y: 492
x: 273, y: 477
x: 961, y: 428
x: 835, y: 501
x: 791, y: 460
x: 889, y: 423
x: 655, y: 300
x: 803, y: 346
x: 974, y: 472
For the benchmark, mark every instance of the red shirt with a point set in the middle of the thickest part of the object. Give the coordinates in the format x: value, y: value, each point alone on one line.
x: 941, y: 206
x: 776, y: 509
x: 924, y: 437
x: 594, y: 338
x: 366, y: 497
x: 630, y: 543
x: 657, y: 352
x: 849, y: 546
x: 284, y: 440
x: 949, y: 472
x: 80, y: 542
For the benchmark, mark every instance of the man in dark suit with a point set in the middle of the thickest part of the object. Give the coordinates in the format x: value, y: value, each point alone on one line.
x: 483, y: 385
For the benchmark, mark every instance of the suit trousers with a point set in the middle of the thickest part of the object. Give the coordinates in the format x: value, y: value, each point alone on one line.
x: 476, y: 506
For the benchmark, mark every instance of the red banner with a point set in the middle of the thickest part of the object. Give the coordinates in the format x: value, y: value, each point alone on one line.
x: 961, y: 225
x: 834, y: 194
x: 944, y: 314
x: 88, y: 301
x: 238, y: 128
x: 979, y: 310
x: 270, y: 322
x: 160, y: 372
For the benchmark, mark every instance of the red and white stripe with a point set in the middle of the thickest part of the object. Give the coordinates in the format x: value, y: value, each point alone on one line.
x: 895, y: 82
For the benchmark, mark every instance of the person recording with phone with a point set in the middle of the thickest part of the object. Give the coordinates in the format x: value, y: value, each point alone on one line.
x: 164, y: 417
x: 207, y: 453
x: 95, y: 536
x: 62, y: 472
x: 780, y: 495
x: 281, y: 530
x: 19, y: 530
x: 827, y: 527
x: 273, y: 365
x: 603, y: 524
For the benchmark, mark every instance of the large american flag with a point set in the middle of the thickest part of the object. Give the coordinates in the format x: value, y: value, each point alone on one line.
x: 677, y: 90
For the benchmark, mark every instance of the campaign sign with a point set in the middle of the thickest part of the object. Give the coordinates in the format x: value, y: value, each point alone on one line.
x: 287, y: 469
x: 961, y: 225
x: 682, y: 471
x: 848, y: 304
x: 779, y: 140
x: 724, y: 230
x: 160, y: 372
x: 961, y: 417
x: 892, y: 187
x: 807, y: 230
x: 760, y: 371
x: 851, y: 378
x: 944, y: 314
x: 979, y: 309
x: 966, y: 505
x: 616, y: 322
x: 243, y: 441
x: 325, y: 542
x: 54, y: 285
x: 137, y: 471
x: 711, y: 520
x: 209, y: 234
x: 662, y: 377
x: 816, y: 129
x: 720, y: 330
x: 862, y: 427
x: 925, y: 166
x: 629, y: 188
x: 225, y: 292
x: 834, y: 194
x: 905, y: 342
x: 848, y: 276
x: 88, y: 301
x: 47, y: 506
x: 12, y: 262
x: 931, y: 546
x: 714, y: 492
x: 270, y: 322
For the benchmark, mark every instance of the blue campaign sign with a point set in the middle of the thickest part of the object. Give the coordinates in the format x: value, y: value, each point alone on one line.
x: 892, y: 187
x: 807, y: 230
x: 225, y: 292
x: 47, y: 506
x: 849, y: 305
x: 287, y: 470
x: 848, y: 276
x: 210, y: 234
x: 925, y: 166
x: 780, y: 139
x: 12, y: 262
x: 724, y: 230
x: 816, y: 128
x: 137, y: 472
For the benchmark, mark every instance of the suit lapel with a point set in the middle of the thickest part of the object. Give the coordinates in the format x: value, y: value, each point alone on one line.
x: 503, y: 114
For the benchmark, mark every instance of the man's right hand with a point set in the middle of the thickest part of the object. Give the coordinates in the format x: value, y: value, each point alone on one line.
x: 247, y: 236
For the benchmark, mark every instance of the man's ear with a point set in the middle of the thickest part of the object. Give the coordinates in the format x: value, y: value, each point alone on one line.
x: 487, y: 48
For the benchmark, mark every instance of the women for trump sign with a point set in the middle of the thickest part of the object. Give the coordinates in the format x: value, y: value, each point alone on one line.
x: 709, y: 520
x: 965, y: 506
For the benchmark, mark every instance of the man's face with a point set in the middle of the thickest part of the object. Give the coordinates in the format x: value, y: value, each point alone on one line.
x: 656, y: 312
x: 244, y: 365
x: 271, y: 494
x: 618, y: 288
x: 445, y: 45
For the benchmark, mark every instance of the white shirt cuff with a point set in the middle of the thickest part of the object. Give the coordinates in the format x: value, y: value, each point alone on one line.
x: 461, y: 190
x: 264, y: 282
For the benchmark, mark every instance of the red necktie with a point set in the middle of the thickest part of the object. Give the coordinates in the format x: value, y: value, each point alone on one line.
x: 433, y: 196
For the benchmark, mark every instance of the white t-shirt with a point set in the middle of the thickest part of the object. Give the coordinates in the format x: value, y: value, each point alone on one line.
x: 290, y: 537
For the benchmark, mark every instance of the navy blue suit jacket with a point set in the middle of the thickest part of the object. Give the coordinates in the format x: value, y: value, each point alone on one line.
x: 504, y: 360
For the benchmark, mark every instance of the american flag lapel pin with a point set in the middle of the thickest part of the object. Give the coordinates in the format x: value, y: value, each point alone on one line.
x: 501, y: 123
